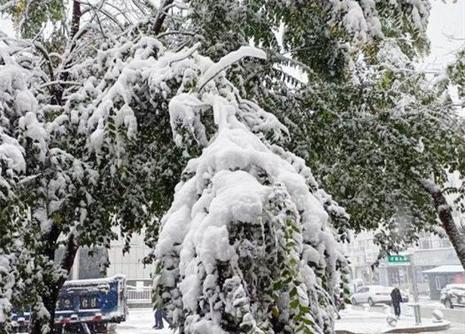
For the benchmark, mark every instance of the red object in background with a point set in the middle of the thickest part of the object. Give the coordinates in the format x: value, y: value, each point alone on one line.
x: 459, y: 278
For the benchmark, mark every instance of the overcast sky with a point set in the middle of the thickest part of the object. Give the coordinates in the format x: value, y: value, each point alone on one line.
x: 447, y: 32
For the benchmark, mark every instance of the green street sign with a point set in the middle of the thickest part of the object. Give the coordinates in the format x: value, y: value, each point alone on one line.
x: 398, y: 259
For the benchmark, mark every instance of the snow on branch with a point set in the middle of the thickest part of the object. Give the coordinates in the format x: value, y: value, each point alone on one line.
x: 228, y: 60
x: 244, y: 207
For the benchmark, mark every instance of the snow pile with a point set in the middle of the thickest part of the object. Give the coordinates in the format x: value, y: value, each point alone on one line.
x: 359, y: 18
x: 16, y: 105
x: 6, y: 285
x: 247, y: 244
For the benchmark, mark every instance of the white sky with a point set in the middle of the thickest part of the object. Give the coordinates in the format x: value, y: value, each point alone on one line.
x: 446, y: 31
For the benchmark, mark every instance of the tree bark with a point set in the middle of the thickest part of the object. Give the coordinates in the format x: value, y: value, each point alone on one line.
x: 75, y: 26
x: 50, y: 296
x: 76, y: 20
x: 161, y: 16
x: 444, y: 212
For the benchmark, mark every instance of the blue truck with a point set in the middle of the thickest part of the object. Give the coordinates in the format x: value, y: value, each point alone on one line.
x: 88, y: 306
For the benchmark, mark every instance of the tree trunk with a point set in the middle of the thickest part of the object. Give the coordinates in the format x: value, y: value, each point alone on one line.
x: 161, y: 15
x: 76, y: 20
x: 53, y: 286
x: 75, y: 26
x: 444, y: 212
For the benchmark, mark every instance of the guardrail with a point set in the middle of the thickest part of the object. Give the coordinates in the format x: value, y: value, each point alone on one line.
x: 139, y: 295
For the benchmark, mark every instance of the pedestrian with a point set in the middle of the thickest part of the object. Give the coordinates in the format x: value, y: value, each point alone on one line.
x: 158, y: 318
x: 396, y: 299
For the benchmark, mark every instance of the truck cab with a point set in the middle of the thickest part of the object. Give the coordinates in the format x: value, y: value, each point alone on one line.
x: 85, y: 306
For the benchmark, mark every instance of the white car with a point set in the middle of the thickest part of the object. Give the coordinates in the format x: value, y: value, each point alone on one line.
x: 453, y: 295
x: 375, y: 294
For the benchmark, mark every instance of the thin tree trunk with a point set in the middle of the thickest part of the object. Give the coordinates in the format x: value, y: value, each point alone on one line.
x: 161, y: 15
x: 444, y: 212
x: 50, y: 296
x: 75, y: 26
x: 76, y: 20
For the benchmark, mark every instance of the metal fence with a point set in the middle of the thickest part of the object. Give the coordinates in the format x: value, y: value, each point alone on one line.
x: 139, y: 295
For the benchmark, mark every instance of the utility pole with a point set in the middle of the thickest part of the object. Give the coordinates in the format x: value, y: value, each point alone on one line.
x: 77, y: 259
x: 413, y: 280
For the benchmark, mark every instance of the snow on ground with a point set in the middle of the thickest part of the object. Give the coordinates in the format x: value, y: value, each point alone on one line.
x: 140, y: 321
x: 367, y: 321
x: 425, y: 300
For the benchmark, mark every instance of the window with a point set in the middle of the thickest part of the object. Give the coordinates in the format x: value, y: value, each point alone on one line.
x: 439, y: 282
x: 445, y: 243
x: 426, y: 243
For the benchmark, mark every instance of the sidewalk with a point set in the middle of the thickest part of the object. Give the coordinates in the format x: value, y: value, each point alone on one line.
x: 140, y: 321
x: 368, y: 322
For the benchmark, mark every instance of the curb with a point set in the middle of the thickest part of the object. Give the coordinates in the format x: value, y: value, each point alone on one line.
x: 420, y: 329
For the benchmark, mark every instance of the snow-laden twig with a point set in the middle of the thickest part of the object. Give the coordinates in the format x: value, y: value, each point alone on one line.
x: 228, y: 60
x: 60, y: 82
x: 7, y: 6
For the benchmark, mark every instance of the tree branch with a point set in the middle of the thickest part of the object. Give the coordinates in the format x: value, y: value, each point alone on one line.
x: 161, y: 15
x: 72, y: 246
x: 444, y: 212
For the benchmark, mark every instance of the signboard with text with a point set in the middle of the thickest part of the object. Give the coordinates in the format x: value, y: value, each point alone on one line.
x: 398, y: 259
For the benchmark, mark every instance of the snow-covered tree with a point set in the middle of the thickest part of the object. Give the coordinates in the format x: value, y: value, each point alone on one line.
x: 87, y: 116
x: 247, y: 246
x: 87, y: 145
x: 371, y: 127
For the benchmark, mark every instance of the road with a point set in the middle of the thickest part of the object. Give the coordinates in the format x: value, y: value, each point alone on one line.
x: 140, y: 321
x: 455, y: 328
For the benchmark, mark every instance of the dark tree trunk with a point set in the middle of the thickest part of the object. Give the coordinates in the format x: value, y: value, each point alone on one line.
x: 76, y: 21
x: 75, y: 26
x: 161, y: 16
x: 444, y: 212
x: 53, y: 286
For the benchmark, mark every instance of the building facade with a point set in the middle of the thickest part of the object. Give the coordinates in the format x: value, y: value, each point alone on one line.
x: 432, y: 251
x: 363, y: 253
x: 131, y: 263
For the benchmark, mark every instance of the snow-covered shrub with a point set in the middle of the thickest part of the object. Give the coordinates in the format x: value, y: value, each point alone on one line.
x: 247, y: 245
x: 6, y: 284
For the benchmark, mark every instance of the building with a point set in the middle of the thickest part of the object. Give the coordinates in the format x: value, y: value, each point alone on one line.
x: 131, y: 263
x: 439, y: 277
x: 432, y: 251
x: 100, y: 262
x: 363, y: 253
x: 88, y: 263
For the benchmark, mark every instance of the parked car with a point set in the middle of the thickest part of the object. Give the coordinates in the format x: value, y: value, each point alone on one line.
x: 375, y: 294
x: 453, y: 295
